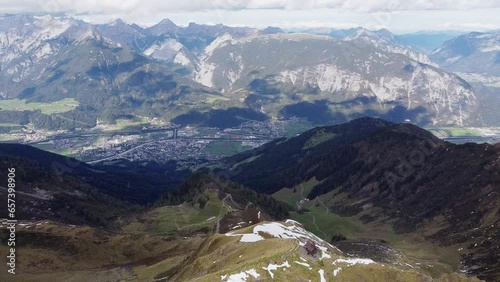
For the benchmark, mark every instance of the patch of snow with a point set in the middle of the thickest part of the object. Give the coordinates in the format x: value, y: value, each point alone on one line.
x: 303, y: 264
x: 324, y: 253
x: 241, y: 277
x: 182, y: 60
x: 271, y: 267
x: 407, y: 264
x: 250, y: 238
x: 253, y: 273
x: 279, y: 230
x: 210, y: 219
x: 322, y: 275
x: 290, y: 230
x: 336, y: 271
x: 354, y: 261
x: 291, y: 221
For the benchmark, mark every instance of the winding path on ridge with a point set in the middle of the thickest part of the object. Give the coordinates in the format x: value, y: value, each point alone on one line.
x: 217, y: 230
x: 317, y: 199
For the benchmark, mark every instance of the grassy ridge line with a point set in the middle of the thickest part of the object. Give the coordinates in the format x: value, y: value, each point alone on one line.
x: 58, y: 252
x: 184, y: 217
x: 220, y: 257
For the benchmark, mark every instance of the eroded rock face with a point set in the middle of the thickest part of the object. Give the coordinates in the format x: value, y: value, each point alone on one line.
x: 338, y: 72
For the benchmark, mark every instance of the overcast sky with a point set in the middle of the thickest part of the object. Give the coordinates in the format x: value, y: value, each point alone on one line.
x: 396, y: 15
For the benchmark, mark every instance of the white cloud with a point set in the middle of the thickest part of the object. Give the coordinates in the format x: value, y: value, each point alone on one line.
x: 312, y: 24
x: 395, y: 15
x: 145, y: 7
x: 467, y: 26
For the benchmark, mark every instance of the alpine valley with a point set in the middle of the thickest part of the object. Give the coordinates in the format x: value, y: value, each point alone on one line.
x: 407, y: 216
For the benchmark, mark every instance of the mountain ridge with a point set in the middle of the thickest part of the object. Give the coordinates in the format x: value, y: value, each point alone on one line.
x: 395, y: 173
x: 332, y: 76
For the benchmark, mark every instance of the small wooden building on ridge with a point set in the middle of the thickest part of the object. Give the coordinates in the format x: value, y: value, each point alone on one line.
x: 311, y: 248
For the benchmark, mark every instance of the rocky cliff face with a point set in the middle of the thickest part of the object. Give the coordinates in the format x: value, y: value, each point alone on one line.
x: 282, y: 68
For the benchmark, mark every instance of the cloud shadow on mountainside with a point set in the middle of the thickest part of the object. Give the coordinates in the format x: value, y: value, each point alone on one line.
x: 219, y: 118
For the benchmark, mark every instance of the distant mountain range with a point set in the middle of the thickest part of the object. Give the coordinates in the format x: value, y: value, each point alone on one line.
x: 384, y: 40
x: 427, y: 41
x: 422, y: 41
x: 183, y: 74
x: 476, y: 52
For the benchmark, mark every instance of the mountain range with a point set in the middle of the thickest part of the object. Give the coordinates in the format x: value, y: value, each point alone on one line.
x: 382, y: 39
x: 183, y: 74
x: 475, y: 52
x: 339, y: 79
x: 422, y: 41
